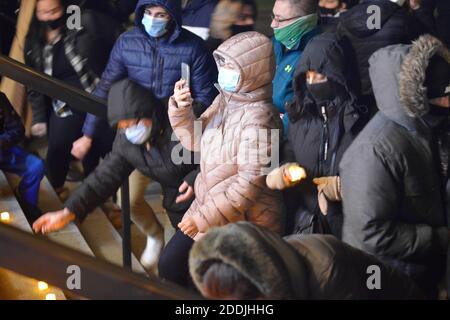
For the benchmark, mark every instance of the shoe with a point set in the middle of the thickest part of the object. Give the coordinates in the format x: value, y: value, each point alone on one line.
x: 150, y: 256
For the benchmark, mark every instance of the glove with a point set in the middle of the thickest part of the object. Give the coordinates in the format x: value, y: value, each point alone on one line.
x: 286, y: 176
x: 329, y: 189
x: 39, y: 129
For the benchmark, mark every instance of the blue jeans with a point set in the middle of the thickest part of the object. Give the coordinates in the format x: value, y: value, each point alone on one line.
x: 28, y: 167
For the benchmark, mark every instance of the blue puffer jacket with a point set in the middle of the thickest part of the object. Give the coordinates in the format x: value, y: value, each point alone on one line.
x: 156, y: 63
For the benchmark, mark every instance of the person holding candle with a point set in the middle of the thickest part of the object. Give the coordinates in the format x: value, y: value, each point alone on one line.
x: 323, y: 122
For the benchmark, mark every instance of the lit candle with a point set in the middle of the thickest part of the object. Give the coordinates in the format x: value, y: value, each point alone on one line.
x: 42, y: 286
x: 296, y: 173
x: 50, y: 296
x: 5, y: 217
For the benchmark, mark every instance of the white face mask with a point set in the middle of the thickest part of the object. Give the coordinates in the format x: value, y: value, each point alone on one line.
x: 138, y: 134
x: 228, y: 79
x: 399, y: 2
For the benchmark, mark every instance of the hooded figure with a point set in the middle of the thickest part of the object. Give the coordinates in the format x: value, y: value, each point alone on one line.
x: 152, y: 156
x: 128, y: 100
x: 323, y: 122
x: 155, y: 63
x: 234, y: 137
x: 296, y: 267
x: 392, y: 184
x: 396, y: 26
x: 229, y: 191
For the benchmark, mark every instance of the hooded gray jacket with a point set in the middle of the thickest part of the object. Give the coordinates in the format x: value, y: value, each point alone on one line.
x: 391, y: 187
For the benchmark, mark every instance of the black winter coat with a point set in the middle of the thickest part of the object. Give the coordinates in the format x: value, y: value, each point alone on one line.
x: 93, y: 43
x: 397, y: 26
x: 318, y: 135
x: 128, y: 100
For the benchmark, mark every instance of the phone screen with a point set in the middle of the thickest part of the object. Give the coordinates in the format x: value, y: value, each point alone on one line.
x: 186, y: 74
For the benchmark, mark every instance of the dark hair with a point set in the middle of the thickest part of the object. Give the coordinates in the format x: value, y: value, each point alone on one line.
x: 37, y: 31
x: 222, y: 281
x: 254, y: 6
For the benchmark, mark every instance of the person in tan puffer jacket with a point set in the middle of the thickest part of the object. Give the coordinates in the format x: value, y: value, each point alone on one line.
x: 235, y: 139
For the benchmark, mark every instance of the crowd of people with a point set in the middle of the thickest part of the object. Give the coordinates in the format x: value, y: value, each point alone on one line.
x: 306, y: 158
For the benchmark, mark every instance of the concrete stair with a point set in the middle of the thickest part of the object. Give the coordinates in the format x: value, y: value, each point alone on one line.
x: 14, y: 286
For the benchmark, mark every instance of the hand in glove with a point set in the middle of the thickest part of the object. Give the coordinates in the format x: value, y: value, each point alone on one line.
x: 329, y: 189
x: 286, y: 176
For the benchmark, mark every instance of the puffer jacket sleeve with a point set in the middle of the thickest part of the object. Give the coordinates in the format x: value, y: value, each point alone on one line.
x: 100, y: 185
x: 186, y: 126
x: 246, y: 186
x: 371, y: 193
x: 204, y: 75
x: 115, y: 71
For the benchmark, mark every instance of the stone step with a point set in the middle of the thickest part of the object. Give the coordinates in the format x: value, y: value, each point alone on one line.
x: 70, y: 236
x: 14, y: 286
x: 104, y: 240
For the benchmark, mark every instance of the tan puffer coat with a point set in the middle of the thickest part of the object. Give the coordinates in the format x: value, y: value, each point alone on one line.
x: 231, y: 185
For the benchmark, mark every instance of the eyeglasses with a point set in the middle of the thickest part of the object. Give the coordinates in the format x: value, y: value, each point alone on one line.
x: 277, y: 20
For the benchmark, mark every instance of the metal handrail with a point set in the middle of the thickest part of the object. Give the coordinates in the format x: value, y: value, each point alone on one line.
x: 78, y: 100
x: 98, y: 279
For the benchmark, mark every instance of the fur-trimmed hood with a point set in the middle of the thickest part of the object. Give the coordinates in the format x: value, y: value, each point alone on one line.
x: 413, y: 94
x: 273, y: 266
x: 398, y: 74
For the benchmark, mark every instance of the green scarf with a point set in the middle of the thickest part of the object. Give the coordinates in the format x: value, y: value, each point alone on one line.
x: 291, y: 34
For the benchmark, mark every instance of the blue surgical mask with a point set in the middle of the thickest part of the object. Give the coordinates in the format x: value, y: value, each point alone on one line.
x: 138, y: 134
x: 228, y: 79
x: 154, y: 27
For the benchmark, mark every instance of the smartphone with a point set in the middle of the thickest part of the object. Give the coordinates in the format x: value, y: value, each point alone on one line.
x: 186, y: 74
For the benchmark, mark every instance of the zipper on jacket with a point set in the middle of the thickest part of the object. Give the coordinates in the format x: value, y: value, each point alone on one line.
x: 161, y: 65
x: 154, y: 67
x: 325, y: 134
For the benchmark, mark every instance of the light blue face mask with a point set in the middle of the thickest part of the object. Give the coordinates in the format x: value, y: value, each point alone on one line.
x: 138, y: 134
x: 228, y: 79
x: 154, y: 27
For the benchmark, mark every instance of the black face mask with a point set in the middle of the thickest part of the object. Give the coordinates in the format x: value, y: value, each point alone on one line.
x: 325, y: 12
x: 322, y: 92
x: 54, y: 24
x: 235, y: 29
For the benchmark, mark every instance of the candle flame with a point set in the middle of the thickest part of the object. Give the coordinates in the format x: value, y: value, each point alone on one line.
x: 296, y: 173
x: 50, y: 296
x: 42, y: 286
